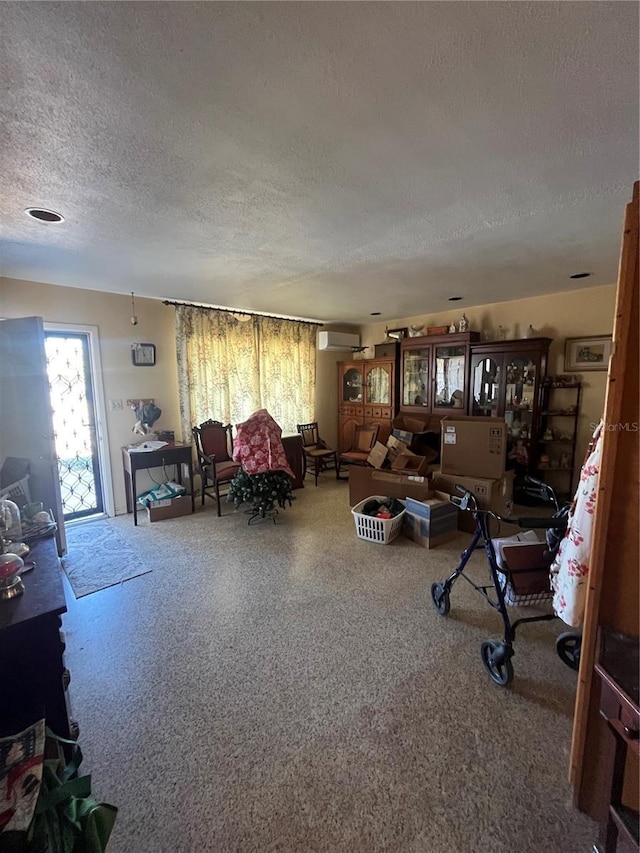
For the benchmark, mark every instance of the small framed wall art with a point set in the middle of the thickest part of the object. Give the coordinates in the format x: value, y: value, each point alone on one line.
x: 587, y: 353
x: 396, y: 334
x: 143, y: 355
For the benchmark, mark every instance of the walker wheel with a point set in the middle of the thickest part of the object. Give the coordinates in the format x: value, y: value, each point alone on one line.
x: 440, y: 598
x: 568, y: 646
x: 496, y: 658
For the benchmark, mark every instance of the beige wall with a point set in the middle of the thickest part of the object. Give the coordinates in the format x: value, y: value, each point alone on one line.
x: 575, y: 313
x: 327, y: 387
x: 571, y: 314
x: 122, y: 381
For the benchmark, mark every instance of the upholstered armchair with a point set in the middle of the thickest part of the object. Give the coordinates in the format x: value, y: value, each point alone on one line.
x: 364, y: 438
x: 214, y: 445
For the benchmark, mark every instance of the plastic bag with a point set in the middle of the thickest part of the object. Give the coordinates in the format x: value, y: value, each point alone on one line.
x: 161, y: 493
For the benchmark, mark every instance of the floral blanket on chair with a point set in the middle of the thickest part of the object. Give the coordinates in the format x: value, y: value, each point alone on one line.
x: 258, y: 445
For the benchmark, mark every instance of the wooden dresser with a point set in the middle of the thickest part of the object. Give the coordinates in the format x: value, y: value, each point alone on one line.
x: 33, y: 676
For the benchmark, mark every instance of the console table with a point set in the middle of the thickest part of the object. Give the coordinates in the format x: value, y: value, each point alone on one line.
x: 177, y: 454
x: 33, y: 677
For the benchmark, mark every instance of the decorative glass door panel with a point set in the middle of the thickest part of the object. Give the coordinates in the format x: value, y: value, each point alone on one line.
x: 415, y: 384
x: 378, y: 386
x: 486, y: 377
x: 519, y: 405
x: 74, y: 423
x: 449, y: 369
x: 352, y: 385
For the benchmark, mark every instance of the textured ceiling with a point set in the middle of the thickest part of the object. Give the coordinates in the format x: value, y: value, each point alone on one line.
x: 321, y: 160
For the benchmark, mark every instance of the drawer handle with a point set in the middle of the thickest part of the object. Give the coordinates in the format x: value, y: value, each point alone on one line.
x: 632, y: 734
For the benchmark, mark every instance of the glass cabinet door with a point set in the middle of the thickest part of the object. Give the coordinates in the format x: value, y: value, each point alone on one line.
x: 519, y: 403
x: 449, y: 369
x: 378, y: 385
x: 415, y: 377
x: 486, y: 378
x: 352, y: 385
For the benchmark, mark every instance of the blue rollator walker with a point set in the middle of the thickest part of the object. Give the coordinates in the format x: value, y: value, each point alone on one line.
x: 497, y: 654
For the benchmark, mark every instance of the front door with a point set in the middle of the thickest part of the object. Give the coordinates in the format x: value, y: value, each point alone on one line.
x: 74, y: 423
x: 26, y: 429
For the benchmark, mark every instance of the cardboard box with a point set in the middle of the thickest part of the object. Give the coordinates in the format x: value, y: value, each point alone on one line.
x: 473, y: 446
x: 169, y: 508
x: 410, y: 463
x: 395, y: 447
x: 406, y: 428
x: 378, y: 455
x: 413, y: 425
x: 365, y: 481
x: 432, y: 521
x: 496, y: 495
x: 402, y: 435
x: 434, y: 507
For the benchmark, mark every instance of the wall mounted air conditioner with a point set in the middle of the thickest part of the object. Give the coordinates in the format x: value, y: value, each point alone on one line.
x: 337, y: 341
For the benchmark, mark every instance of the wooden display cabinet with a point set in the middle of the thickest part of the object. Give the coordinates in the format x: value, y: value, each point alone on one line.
x: 434, y: 373
x: 506, y: 381
x: 367, y: 394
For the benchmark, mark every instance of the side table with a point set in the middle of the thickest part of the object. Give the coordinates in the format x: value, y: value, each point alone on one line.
x: 176, y: 453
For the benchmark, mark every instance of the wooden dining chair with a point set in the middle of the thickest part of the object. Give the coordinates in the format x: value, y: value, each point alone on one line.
x: 319, y: 456
x: 364, y: 438
x: 214, y: 445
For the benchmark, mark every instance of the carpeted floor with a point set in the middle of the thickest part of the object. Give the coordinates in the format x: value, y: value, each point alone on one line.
x: 98, y: 557
x: 290, y: 687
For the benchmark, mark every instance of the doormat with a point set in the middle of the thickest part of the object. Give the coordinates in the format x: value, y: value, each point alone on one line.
x: 98, y: 557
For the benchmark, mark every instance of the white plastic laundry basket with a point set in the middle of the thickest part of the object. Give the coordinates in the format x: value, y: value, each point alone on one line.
x: 382, y: 530
x: 17, y: 492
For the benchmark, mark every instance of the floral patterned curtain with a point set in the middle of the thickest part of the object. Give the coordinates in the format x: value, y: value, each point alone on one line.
x: 229, y: 366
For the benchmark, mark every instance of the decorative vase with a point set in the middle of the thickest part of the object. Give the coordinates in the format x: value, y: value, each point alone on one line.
x: 531, y: 332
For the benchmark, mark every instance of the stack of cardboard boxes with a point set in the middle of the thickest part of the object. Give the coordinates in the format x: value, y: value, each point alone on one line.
x: 395, y: 470
x: 472, y: 455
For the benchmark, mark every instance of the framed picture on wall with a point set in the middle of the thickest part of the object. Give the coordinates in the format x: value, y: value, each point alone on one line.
x: 396, y: 334
x: 587, y: 353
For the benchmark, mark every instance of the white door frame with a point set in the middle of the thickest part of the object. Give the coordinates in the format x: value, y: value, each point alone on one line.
x: 102, y: 437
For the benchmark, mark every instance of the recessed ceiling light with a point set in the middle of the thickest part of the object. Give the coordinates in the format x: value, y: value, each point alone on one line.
x: 43, y: 215
x: 455, y: 298
x: 580, y: 275
x: 375, y: 313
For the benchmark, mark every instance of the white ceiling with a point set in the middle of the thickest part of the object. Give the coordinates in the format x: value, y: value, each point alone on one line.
x: 321, y: 160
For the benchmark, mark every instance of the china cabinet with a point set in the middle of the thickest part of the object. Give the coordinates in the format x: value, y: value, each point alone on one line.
x: 506, y: 381
x: 434, y: 373
x: 367, y: 394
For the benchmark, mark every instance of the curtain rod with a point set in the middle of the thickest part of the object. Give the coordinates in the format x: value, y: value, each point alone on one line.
x: 244, y: 313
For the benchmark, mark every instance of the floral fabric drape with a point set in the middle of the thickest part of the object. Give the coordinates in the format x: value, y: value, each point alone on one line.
x: 230, y: 365
x: 570, y: 569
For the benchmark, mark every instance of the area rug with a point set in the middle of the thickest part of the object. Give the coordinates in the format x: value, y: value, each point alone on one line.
x: 98, y: 557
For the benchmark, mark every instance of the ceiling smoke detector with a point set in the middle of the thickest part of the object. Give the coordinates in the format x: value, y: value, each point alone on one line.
x: 43, y: 215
